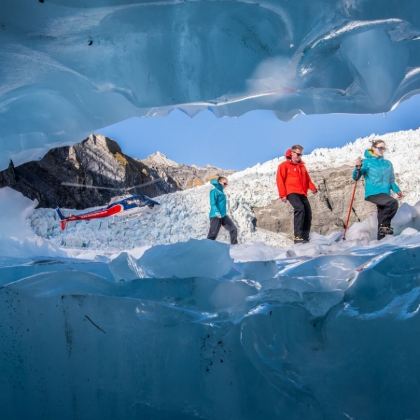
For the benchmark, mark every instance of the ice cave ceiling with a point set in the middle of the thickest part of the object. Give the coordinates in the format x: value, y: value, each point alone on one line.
x: 68, y: 67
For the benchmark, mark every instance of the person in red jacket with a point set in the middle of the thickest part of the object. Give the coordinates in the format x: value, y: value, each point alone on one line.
x: 293, y: 182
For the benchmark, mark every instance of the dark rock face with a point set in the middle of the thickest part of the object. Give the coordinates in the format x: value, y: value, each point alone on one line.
x: 329, y: 206
x: 185, y: 176
x: 97, y: 160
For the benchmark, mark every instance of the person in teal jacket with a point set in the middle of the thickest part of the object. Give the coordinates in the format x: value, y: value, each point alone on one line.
x: 379, y: 182
x: 218, y: 211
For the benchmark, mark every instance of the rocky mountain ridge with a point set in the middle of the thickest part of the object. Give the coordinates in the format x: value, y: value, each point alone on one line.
x: 96, y: 161
x: 99, y: 161
x: 185, y: 176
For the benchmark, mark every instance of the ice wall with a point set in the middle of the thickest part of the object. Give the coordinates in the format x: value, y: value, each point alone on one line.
x: 329, y: 338
x: 70, y: 66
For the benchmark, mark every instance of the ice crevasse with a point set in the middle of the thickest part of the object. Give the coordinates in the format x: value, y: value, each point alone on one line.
x: 69, y: 67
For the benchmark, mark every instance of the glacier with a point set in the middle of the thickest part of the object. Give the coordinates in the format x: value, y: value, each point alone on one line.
x: 70, y: 67
x: 184, y: 214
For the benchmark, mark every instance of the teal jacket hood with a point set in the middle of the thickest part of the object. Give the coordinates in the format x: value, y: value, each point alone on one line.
x: 370, y: 155
x: 216, y: 184
x: 378, y: 174
x: 218, y: 201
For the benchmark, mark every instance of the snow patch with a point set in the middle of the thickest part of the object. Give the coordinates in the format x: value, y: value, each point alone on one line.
x: 17, y: 239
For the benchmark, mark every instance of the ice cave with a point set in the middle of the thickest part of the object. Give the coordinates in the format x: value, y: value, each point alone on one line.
x: 187, y: 329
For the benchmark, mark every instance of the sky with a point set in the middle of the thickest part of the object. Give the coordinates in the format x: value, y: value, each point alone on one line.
x: 258, y: 136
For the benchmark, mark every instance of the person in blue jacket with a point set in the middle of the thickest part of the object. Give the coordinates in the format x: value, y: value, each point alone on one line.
x: 379, y: 182
x: 218, y: 211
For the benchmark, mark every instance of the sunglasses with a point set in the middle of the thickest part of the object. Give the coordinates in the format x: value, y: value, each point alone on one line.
x: 381, y: 148
x: 296, y: 153
x: 225, y: 184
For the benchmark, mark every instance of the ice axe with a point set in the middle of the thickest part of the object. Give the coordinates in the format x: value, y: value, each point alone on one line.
x: 346, y: 225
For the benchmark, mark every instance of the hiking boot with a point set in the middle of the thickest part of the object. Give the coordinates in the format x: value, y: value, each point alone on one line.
x: 384, y: 230
x: 299, y: 240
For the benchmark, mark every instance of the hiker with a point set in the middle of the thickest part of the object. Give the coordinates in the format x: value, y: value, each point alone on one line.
x: 379, y: 181
x: 218, y: 211
x: 293, y: 182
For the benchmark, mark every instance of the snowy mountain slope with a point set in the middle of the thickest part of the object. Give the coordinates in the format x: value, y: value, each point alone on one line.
x: 184, y: 215
x: 160, y: 159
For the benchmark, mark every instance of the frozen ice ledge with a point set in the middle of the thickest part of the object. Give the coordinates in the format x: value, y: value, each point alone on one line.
x: 68, y: 67
x: 164, y: 337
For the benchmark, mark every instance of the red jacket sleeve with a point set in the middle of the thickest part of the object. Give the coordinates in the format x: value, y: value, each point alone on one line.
x: 312, y: 186
x: 281, y: 179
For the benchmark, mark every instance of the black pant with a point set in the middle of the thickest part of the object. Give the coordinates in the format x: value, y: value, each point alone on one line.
x: 302, y: 215
x: 227, y: 223
x: 387, y: 207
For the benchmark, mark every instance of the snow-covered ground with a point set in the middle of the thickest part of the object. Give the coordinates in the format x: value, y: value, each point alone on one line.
x: 184, y: 215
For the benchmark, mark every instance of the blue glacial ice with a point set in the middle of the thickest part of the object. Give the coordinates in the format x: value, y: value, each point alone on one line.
x: 68, y: 67
x: 332, y: 337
